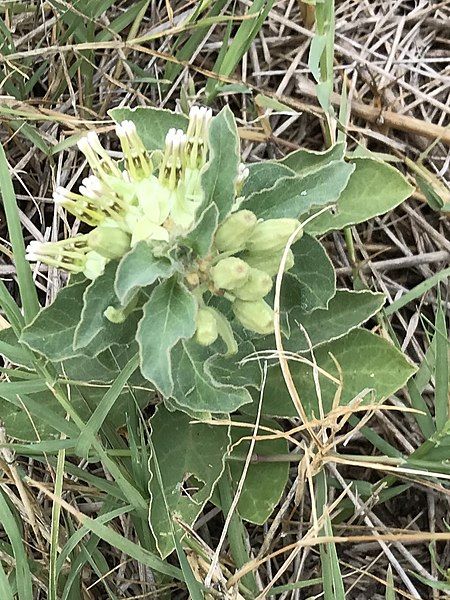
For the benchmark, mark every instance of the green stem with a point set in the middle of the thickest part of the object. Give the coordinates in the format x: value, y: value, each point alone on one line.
x: 236, y: 532
x: 351, y: 252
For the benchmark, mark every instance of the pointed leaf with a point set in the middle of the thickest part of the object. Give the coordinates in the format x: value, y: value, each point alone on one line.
x: 263, y: 175
x: 347, y: 310
x: 219, y: 179
x: 151, y: 123
x: 373, y: 189
x: 12, y: 350
x: 296, y: 196
x: 304, y: 161
x: 51, y: 332
x: 195, y: 389
x: 311, y: 282
x: 265, y: 481
x: 169, y: 316
x: 95, y: 332
x: 201, y: 238
x: 139, y: 268
x: 231, y: 370
x: 190, y: 459
x: 367, y: 361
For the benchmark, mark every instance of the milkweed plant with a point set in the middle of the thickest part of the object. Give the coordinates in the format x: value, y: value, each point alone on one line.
x: 170, y: 298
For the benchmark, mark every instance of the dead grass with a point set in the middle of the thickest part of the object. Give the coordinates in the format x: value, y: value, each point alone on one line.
x: 392, y: 58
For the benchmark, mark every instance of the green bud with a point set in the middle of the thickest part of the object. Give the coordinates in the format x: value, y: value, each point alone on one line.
x: 233, y: 233
x: 269, y: 261
x: 206, y: 332
x: 256, y: 316
x: 230, y: 273
x: 257, y: 286
x: 110, y: 242
x: 272, y: 235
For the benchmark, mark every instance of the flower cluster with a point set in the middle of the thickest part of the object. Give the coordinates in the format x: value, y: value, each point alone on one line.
x: 246, y: 256
x: 154, y: 197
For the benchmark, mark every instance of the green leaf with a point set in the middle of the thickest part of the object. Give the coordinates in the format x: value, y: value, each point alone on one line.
x: 265, y: 481
x: 201, y: 238
x: 373, y: 189
x: 274, y: 105
x: 367, y: 361
x: 195, y: 389
x: 139, y: 268
x: 231, y: 370
x: 304, y: 161
x: 27, y: 288
x: 14, y: 534
x: 98, y: 369
x: 11, y: 349
x: 94, y: 333
x: 263, y: 175
x: 346, y: 311
x: 316, y: 50
x: 311, y: 282
x: 151, y: 123
x: 190, y: 459
x: 51, y: 332
x: 169, y: 316
x: 218, y: 181
x: 443, y: 586
x: 295, y: 196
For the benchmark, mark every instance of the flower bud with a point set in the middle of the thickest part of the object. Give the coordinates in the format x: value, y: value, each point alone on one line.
x: 69, y: 254
x: 206, y: 332
x: 257, y: 286
x: 256, y: 316
x: 94, y: 265
x: 243, y: 173
x: 269, y: 261
x: 230, y: 273
x: 110, y: 242
x: 196, y: 150
x: 137, y: 160
x: 272, y: 235
x: 233, y: 233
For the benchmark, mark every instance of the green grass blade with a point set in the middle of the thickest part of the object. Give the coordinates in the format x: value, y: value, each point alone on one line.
x: 122, y: 21
x: 131, y: 549
x: 236, y: 531
x: 194, y: 587
x: 11, y: 310
x: 441, y: 395
x: 290, y: 587
x: 6, y: 592
x: 246, y: 33
x: 88, y: 552
x: 24, y: 276
x: 116, y: 540
x: 333, y: 588
x: 390, y: 593
x: 192, y: 42
x: 106, y: 403
x: 54, y: 535
x: 417, y: 291
x: 23, y: 575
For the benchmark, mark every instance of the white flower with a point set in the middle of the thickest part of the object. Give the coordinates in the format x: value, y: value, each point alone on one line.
x: 138, y: 162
